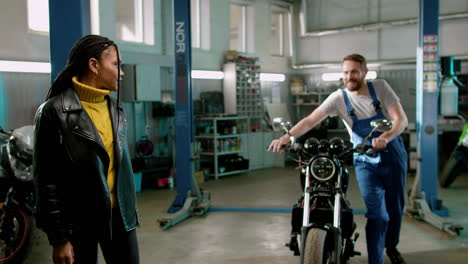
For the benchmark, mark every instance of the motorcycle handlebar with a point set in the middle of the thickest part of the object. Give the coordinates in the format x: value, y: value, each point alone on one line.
x: 5, y: 132
x: 296, y: 147
x: 360, y: 148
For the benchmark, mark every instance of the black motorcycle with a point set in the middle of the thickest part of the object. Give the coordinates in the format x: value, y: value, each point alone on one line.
x: 322, y: 221
x: 16, y: 193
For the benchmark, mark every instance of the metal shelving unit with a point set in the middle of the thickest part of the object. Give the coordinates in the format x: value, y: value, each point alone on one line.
x: 214, y: 143
x: 306, y: 101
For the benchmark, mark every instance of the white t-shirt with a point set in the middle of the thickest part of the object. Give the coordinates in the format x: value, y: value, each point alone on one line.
x: 362, y: 104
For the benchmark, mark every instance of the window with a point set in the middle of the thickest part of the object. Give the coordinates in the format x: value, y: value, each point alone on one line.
x: 280, y: 34
x: 38, y: 15
x: 241, y: 37
x: 134, y: 21
x: 200, y: 23
x: 276, y: 34
x: 94, y: 13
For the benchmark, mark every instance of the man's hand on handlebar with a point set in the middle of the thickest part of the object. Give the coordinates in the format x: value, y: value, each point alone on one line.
x: 379, y: 143
x: 276, y: 144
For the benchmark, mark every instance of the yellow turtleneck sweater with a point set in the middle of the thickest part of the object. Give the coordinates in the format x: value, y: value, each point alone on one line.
x: 95, y: 104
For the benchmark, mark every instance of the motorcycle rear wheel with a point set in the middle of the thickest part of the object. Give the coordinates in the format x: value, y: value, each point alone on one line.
x: 315, y: 250
x: 14, y: 243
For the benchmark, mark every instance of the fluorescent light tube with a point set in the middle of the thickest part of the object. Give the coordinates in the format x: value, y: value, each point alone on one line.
x: 335, y: 76
x: 332, y: 76
x: 214, y: 75
x: 371, y: 75
x: 272, y: 77
x: 24, y: 66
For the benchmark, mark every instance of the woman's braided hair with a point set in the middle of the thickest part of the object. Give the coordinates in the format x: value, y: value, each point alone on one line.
x: 90, y: 46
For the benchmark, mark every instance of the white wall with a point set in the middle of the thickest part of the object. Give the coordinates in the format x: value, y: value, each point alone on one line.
x: 395, y: 43
x: 17, y: 42
x: 398, y: 42
x: 22, y: 93
x: 213, y: 59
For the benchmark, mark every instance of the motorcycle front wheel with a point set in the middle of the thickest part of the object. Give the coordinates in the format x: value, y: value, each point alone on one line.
x: 15, y: 232
x: 315, y: 248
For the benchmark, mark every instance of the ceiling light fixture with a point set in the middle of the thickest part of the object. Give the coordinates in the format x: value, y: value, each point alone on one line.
x: 214, y: 75
x: 25, y: 66
x: 272, y: 77
x: 335, y: 76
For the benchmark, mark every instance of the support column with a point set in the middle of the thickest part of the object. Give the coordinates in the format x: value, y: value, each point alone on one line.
x: 69, y: 21
x: 3, y: 106
x: 183, y: 106
x: 427, y: 104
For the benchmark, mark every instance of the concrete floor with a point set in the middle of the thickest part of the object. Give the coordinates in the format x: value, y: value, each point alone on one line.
x: 259, y: 237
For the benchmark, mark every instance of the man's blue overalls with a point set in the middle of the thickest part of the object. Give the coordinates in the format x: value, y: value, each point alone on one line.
x: 381, y: 178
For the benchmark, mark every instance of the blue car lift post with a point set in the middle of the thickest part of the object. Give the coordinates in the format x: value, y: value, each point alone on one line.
x: 423, y: 202
x: 190, y: 200
x: 69, y: 21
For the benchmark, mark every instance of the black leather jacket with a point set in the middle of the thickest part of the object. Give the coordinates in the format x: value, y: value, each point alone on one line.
x: 70, y: 170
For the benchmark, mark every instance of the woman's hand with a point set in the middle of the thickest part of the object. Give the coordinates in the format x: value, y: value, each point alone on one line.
x: 63, y: 254
x: 276, y: 144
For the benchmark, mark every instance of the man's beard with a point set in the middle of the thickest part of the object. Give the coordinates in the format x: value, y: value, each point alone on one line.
x: 355, y: 87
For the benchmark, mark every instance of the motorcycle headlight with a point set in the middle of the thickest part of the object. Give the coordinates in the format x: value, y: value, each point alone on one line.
x: 323, y: 146
x: 322, y: 168
x: 311, y: 146
x: 337, y: 145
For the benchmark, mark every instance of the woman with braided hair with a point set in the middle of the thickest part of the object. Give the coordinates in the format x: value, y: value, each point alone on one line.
x: 82, y: 168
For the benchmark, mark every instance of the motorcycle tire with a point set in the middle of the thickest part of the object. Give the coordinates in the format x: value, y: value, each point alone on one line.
x: 315, y: 249
x: 18, y: 246
x: 452, y: 168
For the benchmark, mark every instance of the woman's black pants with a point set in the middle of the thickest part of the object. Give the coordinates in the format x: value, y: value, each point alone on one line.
x: 121, y: 249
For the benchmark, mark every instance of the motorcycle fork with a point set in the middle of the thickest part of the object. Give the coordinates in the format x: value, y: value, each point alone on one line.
x: 337, y: 252
x: 306, y: 213
x: 6, y: 225
x: 305, y: 216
